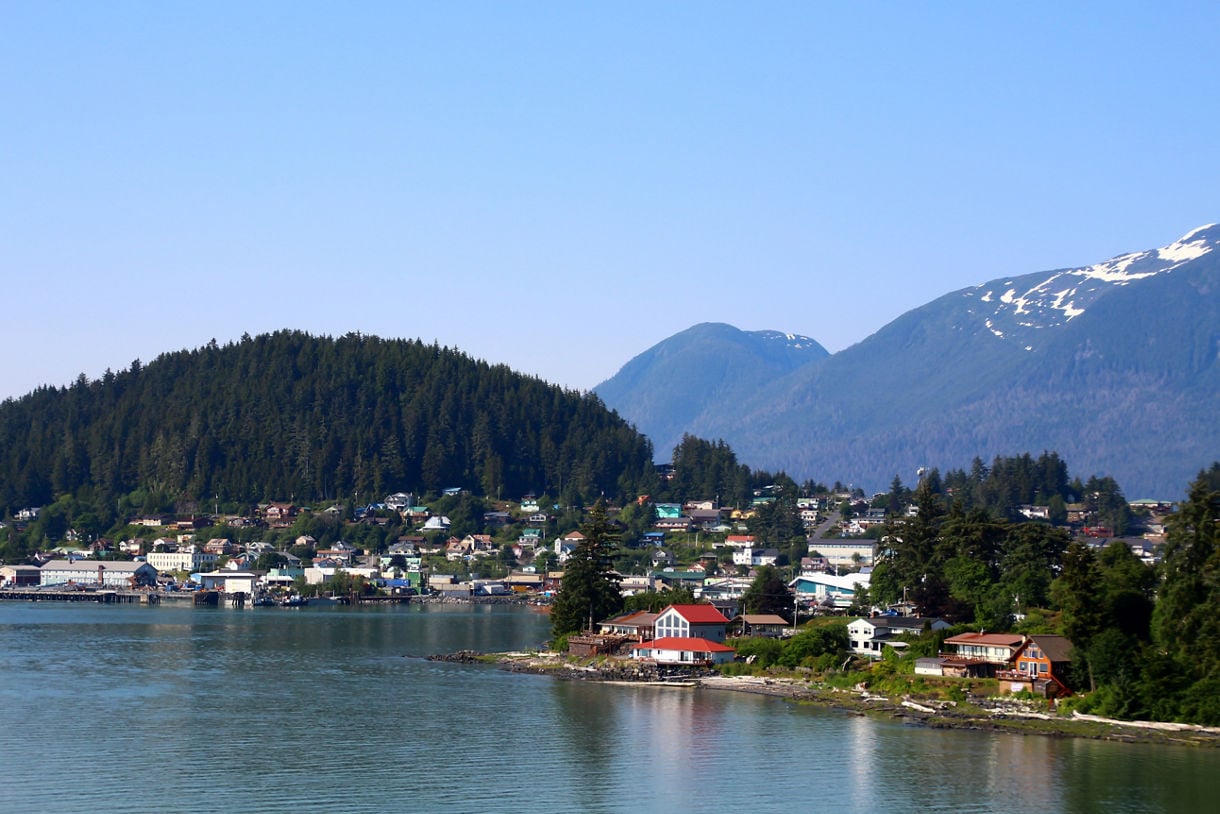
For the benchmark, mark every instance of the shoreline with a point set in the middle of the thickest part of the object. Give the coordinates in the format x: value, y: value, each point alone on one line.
x: 1007, y: 716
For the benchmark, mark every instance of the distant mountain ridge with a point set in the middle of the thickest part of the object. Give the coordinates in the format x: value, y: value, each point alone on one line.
x: 669, y: 384
x: 1114, y: 366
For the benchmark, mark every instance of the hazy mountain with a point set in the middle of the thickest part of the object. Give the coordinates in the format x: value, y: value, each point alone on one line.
x: 1113, y: 365
x: 670, y: 385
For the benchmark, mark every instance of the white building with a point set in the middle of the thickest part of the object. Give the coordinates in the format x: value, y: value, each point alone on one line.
x: 839, y: 591
x: 845, y: 553
x: 117, y: 574
x: 751, y: 555
x: 189, y: 560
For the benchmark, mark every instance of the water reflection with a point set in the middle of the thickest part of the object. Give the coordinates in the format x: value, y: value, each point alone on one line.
x: 278, y: 710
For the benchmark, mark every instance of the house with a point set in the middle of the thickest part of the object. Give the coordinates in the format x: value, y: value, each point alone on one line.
x: 219, y: 546
x: 679, y: 579
x: 750, y: 555
x: 979, y: 655
x: 867, y: 637
x: 398, y: 501
x: 685, y: 651
x: 1037, y: 663
x: 704, y: 518
x: 1039, y: 667
x: 691, y: 621
x: 437, y: 523
x: 638, y: 625
x: 456, y: 549
x: 993, y: 648
x: 339, y: 550
x: 760, y: 624
x: 667, y: 511
x: 662, y: 558
x: 496, y: 519
x: 480, y: 543
x: 279, y: 514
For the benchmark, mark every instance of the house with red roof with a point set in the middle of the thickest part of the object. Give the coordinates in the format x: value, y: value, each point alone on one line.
x: 691, y: 622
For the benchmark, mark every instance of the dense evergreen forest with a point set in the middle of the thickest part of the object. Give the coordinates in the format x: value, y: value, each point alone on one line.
x: 1146, y: 640
x: 292, y: 416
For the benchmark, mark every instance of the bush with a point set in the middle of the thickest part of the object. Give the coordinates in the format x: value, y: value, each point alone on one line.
x: 766, y: 652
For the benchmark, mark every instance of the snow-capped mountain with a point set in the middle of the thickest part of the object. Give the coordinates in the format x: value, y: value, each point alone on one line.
x: 1019, y: 309
x: 1115, y: 366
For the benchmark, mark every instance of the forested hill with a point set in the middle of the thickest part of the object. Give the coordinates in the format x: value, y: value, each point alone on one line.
x: 290, y: 414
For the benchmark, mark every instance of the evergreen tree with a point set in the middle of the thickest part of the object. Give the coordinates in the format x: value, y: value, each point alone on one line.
x: 768, y: 593
x: 589, y: 591
x: 1187, y: 617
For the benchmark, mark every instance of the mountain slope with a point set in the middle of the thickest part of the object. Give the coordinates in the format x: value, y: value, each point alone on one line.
x: 671, y: 384
x: 292, y: 414
x: 1114, y: 366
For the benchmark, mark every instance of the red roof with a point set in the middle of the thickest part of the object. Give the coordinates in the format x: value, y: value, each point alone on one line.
x: 700, y: 614
x: 685, y: 644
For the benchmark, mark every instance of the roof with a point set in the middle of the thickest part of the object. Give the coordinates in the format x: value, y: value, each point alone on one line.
x: 845, y: 582
x: 699, y: 614
x: 762, y: 619
x: 91, y: 566
x: 990, y: 639
x: 1056, y: 648
x: 681, y: 643
x: 636, y: 618
x: 906, y: 623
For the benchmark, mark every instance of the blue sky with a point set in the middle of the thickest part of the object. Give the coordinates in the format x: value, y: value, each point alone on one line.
x: 558, y: 187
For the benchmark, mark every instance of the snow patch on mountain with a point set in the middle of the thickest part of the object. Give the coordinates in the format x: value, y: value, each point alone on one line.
x: 794, y: 341
x: 1063, y: 295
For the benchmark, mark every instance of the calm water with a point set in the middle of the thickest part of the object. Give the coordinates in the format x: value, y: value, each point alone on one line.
x: 131, y: 709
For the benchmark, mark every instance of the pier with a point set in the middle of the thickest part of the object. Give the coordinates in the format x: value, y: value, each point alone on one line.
x: 107, y: 596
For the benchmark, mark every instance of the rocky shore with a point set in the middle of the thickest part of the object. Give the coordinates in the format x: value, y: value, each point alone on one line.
x: 995, y: 715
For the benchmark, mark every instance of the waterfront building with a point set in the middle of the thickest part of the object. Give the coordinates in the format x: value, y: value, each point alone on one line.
x: 117, y: 574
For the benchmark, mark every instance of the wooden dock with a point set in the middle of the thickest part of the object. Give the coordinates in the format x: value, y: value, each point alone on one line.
x: 107, y: 596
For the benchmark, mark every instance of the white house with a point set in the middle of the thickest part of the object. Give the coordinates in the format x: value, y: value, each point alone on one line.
x: 869, y: 636
x: 750, y: 555
x: 437, y: 523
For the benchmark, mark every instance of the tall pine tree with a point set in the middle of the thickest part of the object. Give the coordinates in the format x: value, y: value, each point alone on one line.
x: 589, y: 591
